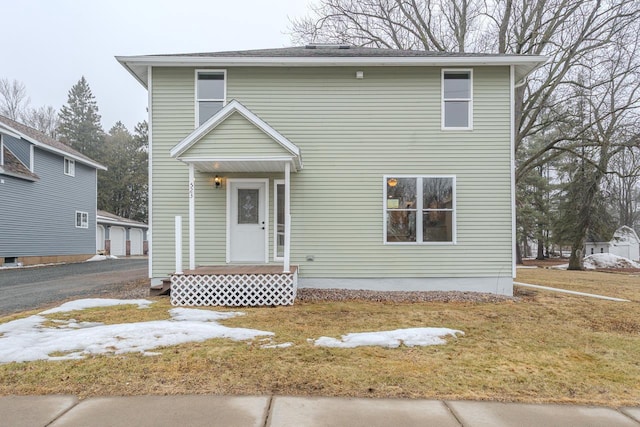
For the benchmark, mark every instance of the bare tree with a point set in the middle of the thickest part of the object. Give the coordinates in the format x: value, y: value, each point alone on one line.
x: 573, y: 33
x: 13, y: 98
x: 44, y: 119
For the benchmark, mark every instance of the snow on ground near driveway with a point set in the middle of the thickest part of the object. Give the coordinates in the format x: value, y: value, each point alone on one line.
x: 411, y: 337
x: 28, y: 339
x: 595, y: 261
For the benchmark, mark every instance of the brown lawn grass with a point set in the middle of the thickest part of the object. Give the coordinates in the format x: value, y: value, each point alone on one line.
x: 547, y: 347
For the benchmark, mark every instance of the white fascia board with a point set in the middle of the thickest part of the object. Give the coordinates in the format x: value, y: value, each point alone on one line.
x: 137, y: 65
x: 221, y: 116
x: 9, y: 131
x: 105, y: 220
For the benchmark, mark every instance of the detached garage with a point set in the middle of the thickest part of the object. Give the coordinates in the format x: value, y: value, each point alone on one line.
x: 120, y: 236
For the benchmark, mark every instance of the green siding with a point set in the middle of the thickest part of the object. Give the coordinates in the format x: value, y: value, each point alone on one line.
x: 351, y: 132
x: 236, y: 136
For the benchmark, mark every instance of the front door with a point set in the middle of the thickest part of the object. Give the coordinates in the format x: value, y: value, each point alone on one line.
x: 247, y: 221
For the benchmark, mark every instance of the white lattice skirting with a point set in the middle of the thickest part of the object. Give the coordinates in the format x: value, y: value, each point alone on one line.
x: 234, y: 290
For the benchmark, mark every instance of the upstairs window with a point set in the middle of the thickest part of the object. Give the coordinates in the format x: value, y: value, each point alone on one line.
x: 420, y: 209
x: 210, y: 94
x: 82, y: 219
x: 457, y: 99
x: 69, y: 167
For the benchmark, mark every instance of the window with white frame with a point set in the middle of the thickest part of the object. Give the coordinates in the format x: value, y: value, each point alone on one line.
x: 1, y: 151
x: 82, y: 219
x: 457, y: 99
x: 419, y: 209
x: 210, y: 93
x: 69, y: 167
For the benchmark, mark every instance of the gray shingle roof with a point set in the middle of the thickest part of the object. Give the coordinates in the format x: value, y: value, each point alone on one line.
x: 316, y: 51
x: 44, y: 139
x: 15, y: 167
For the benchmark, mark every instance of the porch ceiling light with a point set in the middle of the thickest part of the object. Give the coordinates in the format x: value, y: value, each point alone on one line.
x: 392, y: 182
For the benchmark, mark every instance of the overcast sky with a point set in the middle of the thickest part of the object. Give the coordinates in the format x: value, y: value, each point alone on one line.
x: 49, y: 44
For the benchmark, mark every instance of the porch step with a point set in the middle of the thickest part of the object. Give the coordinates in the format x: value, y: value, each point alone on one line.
x: 164, y: 289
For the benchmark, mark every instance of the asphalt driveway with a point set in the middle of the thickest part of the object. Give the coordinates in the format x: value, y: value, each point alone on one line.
x: 31, y: 288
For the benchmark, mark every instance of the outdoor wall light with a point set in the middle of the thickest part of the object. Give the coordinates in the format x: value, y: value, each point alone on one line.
x: 217, y: 181
x: 392, y: 182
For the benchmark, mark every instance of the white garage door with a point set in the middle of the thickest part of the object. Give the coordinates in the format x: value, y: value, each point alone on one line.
x: 99, y: 238
x: 118, y: 241
x: 135, y: 235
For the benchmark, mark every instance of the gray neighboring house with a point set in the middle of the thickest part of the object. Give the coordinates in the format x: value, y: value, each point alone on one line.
x: 120, y: 236
x: 48, y: 196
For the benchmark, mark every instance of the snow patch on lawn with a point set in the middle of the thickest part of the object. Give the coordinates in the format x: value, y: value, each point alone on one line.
x: 605, y: 260
x: 410, y: 337
x: 82, y: 304
x: 28, y: 339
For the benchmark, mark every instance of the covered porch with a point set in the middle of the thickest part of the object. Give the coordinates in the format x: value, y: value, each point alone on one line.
x: 236, y: 165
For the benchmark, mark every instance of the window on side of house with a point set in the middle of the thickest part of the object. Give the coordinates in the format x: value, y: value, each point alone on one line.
x: 457, y: 99
x: 210, y: 93
x: 419, y: 209
x: 69, y: 167
x: 1, y: 151
x: 82, y: 219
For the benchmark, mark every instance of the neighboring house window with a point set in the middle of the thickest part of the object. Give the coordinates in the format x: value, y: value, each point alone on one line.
x: 419, y: 209
x: 1, y: 151
x: 82, y: 219
x: 457, y: 99
x: 278, y: 214
x: 69, y: 167
x: 210, y: 93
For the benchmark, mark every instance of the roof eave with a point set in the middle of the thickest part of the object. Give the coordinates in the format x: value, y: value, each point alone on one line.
x: 138, y: 65
x: 46, y: 147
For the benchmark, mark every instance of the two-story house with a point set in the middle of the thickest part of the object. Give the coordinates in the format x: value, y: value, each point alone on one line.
x: 330, y: 166
x: 47, y: 198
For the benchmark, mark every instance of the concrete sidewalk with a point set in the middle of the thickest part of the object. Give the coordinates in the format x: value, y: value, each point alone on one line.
x: 277, y: 411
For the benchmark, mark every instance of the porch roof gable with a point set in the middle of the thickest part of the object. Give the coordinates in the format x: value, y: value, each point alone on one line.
x: 290, y: 153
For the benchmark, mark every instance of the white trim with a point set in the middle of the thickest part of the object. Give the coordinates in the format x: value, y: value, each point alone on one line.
x: 1, y: 151
x: 286, y: 268
x: 512, y: 164
x: 237, y: 159
x: 32, y: 159
x: 198, y: 100
x: 83, y: 216
x: 178, y: 244
x: 72, y: 166
x: 420, y: 209
x: 264, y: 181
x: 150, y: 173
x: 276, y: 182
x: 192, y: 218
x: 5, y: 129
x: 221, y: 116
x: 468, y: 100
x: 137, y: 65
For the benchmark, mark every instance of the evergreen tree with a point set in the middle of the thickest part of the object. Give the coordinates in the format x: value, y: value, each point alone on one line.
x: 79, y: 125
x: 122, y: 189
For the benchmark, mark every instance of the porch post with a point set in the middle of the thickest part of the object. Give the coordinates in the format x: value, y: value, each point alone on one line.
x: 287, y: 219
x: 178, y: 238
x: 192, y: 218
